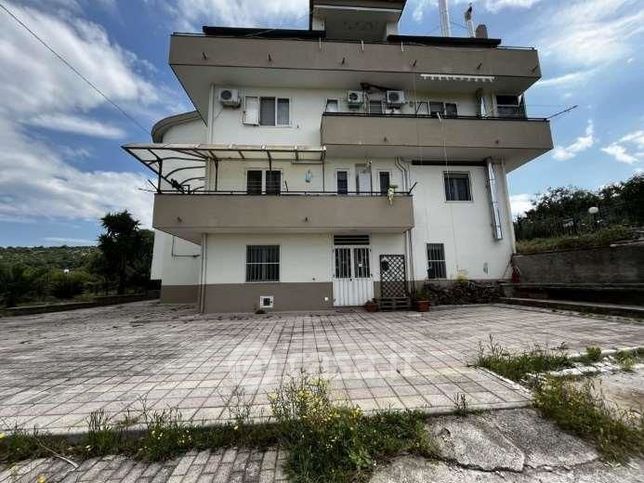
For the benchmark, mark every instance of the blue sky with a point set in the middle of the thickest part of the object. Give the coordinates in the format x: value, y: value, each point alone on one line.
x: 61, y: 165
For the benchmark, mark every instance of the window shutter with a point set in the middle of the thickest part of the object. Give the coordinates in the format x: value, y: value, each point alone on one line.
x: 251, y: 111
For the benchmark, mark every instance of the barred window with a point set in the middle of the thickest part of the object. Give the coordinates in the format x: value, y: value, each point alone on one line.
x: 262, y: 263
x: 457, y: 187
x: 436, y: 267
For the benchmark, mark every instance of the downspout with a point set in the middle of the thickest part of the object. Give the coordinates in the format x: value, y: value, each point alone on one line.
x: 497, y: 229
x: 508, y: 208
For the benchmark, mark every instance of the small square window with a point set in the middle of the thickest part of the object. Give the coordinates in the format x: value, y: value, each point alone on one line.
x: 436, y: 266
x: 274, y: 112
x: 457, y: 187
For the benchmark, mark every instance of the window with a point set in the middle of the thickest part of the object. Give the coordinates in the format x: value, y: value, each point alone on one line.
x: 262, y: 263
x: 273, y: 182
x: 385, y: 181
x: 436, y: 267
x: 251, y: 111
x: 450, y: 109
x: 375, y: 107
x: 457, y: 187
x: 510, y: 106
x: 436, y: 108
x: 331, y: 105
x: 254, y: 182
x: 272, y: 111
x: 343, y: 182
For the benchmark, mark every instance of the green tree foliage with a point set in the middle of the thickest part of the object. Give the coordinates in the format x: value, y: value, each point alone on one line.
x: 564, y: 211
x: 47, y: 274
x: 126, y: 250
x: 15, y: 284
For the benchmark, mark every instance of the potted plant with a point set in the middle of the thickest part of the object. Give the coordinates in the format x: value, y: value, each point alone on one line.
x: 371, y: 306
x: 421, y: 302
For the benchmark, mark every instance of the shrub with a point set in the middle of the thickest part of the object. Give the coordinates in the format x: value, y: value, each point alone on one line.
x: 331, y: 443
x: 461, y: 292
x: 593, y: 354
x: 601, y: 238
x: 517, y: 365
x: 617, y: 434
x: 68, y: 285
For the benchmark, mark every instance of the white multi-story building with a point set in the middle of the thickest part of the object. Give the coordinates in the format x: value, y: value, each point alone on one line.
x: 329, y: 166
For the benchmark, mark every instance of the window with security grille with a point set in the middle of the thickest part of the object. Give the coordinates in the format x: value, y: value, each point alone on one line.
x: 262, y: 263
x: 273, y: 182
x: 457, y: 187
x: 385, y: 181
x: 254, y: 182
x: 343, y: 182
x: 436, y: 267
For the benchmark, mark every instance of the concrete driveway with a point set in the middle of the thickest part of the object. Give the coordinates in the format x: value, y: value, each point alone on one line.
x: 58, y: 368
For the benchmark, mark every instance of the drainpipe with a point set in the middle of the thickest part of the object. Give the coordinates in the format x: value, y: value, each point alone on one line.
x: 497, y: 229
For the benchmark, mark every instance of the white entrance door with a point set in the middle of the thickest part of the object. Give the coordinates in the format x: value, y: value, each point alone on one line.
x: 352, y: 280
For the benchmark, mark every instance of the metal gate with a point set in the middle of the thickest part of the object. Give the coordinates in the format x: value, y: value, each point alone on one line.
x: 352, y: 279
x: 393, y: 276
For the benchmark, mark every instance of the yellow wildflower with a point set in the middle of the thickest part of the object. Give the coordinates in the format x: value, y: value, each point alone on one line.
x: 3, y: 436
x: 41, y: 479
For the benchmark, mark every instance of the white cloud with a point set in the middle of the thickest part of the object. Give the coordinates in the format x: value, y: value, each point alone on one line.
x: 582, y: 143
x: 567, y: 80
x: 77, y: 125
x: 520, y: 204
x: 36, y: 182
x: 591, y: 32
x: 623, y: 149
x: 192, y: 14
x: 36, y: 179
x: 420, y: 7
x: 69, y: 241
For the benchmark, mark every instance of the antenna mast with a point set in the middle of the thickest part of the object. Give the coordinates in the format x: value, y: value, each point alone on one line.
x: 446, y: 30
x: 469, y: 21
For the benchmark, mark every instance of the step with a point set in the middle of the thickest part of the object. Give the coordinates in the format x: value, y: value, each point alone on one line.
x: 597, y: 308
x: 391, y: 304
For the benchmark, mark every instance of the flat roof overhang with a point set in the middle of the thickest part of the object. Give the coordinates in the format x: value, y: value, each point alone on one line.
x: 516, y: 141
x: 189, y: 216
x: 200, y: 61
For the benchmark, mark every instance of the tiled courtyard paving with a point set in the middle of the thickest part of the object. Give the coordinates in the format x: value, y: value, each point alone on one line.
x: 56, y: 369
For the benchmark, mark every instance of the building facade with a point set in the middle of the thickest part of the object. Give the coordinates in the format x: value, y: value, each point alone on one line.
x: 329, y: 166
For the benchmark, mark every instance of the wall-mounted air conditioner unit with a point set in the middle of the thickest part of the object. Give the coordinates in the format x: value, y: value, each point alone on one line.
x: 355, y: 98
x: 395, y: 98
x: 229, y: 97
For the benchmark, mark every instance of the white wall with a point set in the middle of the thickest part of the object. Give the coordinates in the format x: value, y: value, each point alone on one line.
x: 175, y: 261
x: 307, y: 106
x: 465, y: 228
x: 303, y: 258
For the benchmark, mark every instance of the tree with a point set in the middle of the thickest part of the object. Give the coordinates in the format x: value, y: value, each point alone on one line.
x: 15, y: 284
x: 123, y: 245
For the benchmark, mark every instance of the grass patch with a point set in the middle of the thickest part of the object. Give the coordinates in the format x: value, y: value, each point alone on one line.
x: 617, y: 434
x: 600, y: 238
x: 326, y: 442
x: 335, y: 443
x: 593, y: 354
x: 517, y: 365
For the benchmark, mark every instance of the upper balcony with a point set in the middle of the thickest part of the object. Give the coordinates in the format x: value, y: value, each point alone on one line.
x: 425, y: 137
x: 188, y: 216
x: 304, y: 59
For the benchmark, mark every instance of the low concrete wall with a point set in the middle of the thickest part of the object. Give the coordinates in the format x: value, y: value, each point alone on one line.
x: 618, y: 264
x: 99, y: 301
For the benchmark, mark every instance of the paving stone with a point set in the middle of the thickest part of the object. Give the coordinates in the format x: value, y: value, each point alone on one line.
x: 475, y: 442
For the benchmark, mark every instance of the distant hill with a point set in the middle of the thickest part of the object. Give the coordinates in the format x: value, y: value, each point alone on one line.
x: 47, y: 257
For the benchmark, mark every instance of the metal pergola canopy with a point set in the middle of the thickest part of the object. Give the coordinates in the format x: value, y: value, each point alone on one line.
x: 182, y: 159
